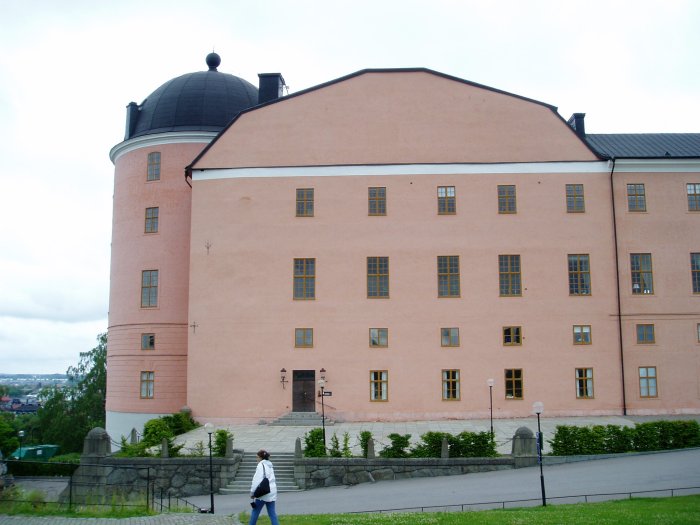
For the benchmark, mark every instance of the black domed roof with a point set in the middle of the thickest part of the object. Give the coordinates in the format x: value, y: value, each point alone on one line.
x: 202, y: 101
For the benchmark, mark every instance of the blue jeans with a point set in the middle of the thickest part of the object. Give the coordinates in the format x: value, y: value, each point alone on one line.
x: 259, y: 504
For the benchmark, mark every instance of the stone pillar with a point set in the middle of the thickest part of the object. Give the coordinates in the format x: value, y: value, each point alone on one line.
x: 90, y: 478
x: 297, y: 449
x: 445, y: 450
x: 134, y: 437
x: 229, y: 447
x: 524, y: 449
x: 164, y: 452
x: 370, y: 448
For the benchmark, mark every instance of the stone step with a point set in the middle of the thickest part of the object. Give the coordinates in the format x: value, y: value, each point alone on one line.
x: 301, y: 419
x: 284, y: 474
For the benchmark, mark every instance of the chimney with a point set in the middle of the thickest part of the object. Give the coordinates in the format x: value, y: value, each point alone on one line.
x: 576, y: 123
x: 271, y: 87
x: 132, y: 117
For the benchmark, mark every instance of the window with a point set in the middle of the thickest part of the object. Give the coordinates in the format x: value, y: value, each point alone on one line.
x: 506, y: 199
x: 512, y: 335
x: 695, y: 271
x: 147, y: 382
x: 448, y: 275
x: 579, y: 275
x: 642, y: 275
x: 636, y: 197
x: 450, y: 385
x: 693, y: 197
x: 377, y: 277
x: 151, y: 220
x: 153, y: 166
x: 304, y: 279
x: 149, y: 288
x: 379, y: 385
x: 575, y: 202
x: 647, y: 381
x: 148, y: 341
x: 645, y: 334
x: 377, y: 201
x: 509, y: 275
x: 447, y: 204
x: 514, y: 383
x: 378, y: 337
x: 582, y: 334
x: 305, y: 202
x: 303, y: 337
x: 584, y: 383
x: 449, y: 336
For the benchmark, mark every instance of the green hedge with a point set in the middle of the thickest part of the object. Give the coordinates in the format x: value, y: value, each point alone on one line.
x: 610, y: 439
x: 463, y: 445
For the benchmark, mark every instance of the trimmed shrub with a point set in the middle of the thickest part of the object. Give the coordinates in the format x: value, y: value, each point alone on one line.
x: 364, y: 437
x: 220, y: 438
x: 397, y: 449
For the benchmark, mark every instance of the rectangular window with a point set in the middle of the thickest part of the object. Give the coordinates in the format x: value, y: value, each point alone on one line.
x: 149, y: 288
x: 647, y: 381
x: 693, y: 197
x: 584, y: 383
x: 377, y: 277
x: 579, y: 275
x: 378, y: 337
x: 148, y: 341
x: 147, y: 383
x: 506, y: 199
x: 151, y: 220
x: 305, y: 202
x: 379, y: 385
x: 575, y: 202
x: 448, y: 275
x: 303, y: 337
x: 642, y: 274
x: 582, y: 334
x: 450, y: 385
x: 449, y: 336
x: 377, y: 201
x: 304, y: 279
x: 509, y: 275
x: 447, y: 203
x: 636, y: 197
x: 514, y: 383
x: 645, y: 334
x: 512, y: 335
x: 153, y: 166
x: 695, y: 271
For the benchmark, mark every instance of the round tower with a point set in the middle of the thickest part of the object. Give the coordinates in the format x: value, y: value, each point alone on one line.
x: 149, y: 277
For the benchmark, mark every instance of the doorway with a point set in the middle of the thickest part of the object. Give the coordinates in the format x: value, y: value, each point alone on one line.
x: 304, y: 391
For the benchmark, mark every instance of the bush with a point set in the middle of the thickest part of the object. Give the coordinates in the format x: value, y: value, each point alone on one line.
x: 180, y: 423
x: 598, y: 439
x: 313, y: 444
x: 334, y: 451
x: 346, y: 452
x: 463, y: 445
x: 364, y: 437
x: 397, y: 449
x: 220, y: 439
x: 155, y: 430
x: 430, y: 445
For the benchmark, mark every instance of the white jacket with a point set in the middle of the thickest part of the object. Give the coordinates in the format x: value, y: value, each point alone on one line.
x: 270, y: 475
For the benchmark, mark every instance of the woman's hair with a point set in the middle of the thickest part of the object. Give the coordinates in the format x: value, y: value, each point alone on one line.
x: 263, y: 454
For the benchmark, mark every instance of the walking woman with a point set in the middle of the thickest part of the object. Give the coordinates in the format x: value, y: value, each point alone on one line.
x: 264, y: 470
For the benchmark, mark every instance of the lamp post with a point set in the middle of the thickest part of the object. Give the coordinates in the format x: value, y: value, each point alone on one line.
x: 20, y: 434
x: 210, y: 428
x: 538, y: 408
x: 322, y: 386
x: 491, y: 382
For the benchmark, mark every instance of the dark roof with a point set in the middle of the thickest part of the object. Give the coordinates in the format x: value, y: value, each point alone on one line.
x: 201, y: 101
x: 646, y: 145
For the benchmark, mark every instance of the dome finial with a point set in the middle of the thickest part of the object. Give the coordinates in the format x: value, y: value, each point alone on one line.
x: 213, y: 61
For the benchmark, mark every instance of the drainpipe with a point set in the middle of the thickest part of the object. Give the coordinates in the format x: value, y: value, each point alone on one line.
x: 619, y: 301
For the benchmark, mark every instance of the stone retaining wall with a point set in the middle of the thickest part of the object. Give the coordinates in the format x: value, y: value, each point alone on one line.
x: 311, y: 473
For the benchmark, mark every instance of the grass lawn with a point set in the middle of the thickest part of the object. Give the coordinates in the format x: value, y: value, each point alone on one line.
x: 657, y: 511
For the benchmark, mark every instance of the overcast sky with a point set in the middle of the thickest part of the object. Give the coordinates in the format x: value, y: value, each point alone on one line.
x: 69, y: 68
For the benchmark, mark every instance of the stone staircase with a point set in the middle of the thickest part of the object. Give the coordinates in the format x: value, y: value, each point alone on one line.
x: 284, y: 473
x: 301, y: 419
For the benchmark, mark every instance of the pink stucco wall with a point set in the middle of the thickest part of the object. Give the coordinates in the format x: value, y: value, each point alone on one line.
x: 134, y: 251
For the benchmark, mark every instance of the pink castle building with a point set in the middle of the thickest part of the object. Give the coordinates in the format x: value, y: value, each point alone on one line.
x: 414, y: 240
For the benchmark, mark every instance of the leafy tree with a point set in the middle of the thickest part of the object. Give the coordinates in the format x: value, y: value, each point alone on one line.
x: 68, y: 414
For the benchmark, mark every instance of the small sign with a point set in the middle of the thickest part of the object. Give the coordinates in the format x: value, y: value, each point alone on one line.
x: 327, y: 394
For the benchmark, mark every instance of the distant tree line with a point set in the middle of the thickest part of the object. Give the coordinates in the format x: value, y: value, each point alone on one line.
x: 67, y: 414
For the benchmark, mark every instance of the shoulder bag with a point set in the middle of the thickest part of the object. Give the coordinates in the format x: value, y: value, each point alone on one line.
x: 264, y: 486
